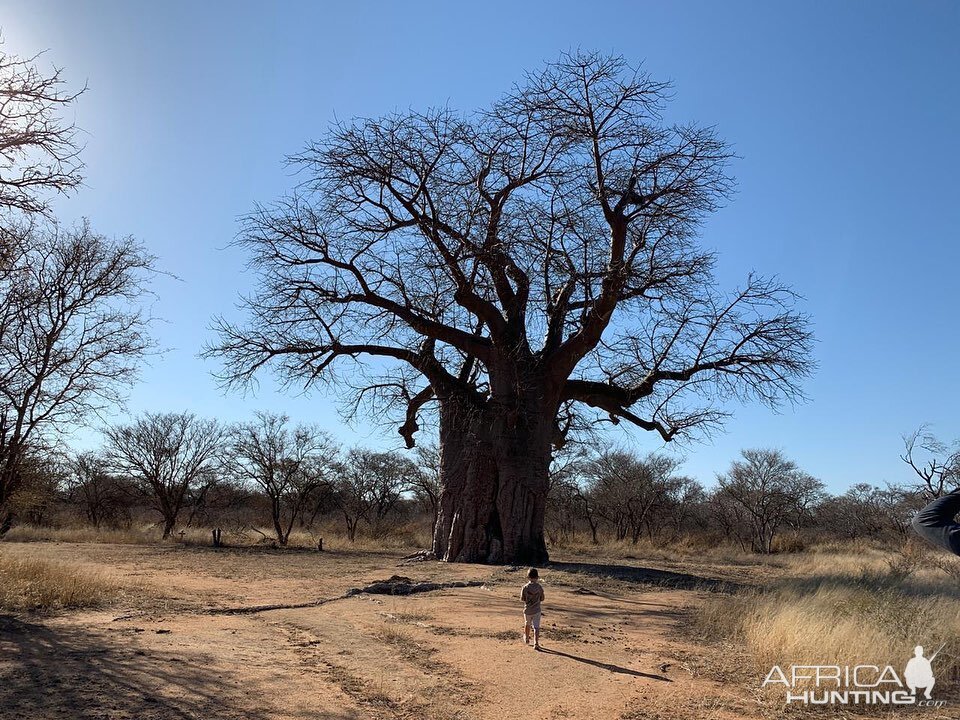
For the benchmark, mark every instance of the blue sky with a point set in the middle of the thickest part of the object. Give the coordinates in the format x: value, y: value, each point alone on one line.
x: 845, y: 116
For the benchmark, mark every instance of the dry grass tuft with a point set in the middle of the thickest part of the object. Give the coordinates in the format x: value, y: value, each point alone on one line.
x: 406, y: 644
x: 408, y: 617
x: 30, y: 584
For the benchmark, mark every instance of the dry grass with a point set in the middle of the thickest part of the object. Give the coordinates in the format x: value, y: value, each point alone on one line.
x: 402, y: 538
x: 32, y: 533
x: 701, y: 549
x: 29, y: 584
x: 403, y: 641
x: 836, y: 607
x: 432, y: 702
x: 408, y: 617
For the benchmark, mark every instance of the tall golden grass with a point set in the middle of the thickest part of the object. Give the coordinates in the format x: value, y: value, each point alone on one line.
x: 837, y: 607
x: 32, y: 584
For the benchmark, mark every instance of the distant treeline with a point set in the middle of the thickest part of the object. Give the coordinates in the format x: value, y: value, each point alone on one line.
x: 272, y: 477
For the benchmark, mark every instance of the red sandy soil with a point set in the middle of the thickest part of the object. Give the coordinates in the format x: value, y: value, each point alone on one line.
x: 613, y: 647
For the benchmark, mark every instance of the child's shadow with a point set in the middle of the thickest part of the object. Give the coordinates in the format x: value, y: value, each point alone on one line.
x: 605, y: 666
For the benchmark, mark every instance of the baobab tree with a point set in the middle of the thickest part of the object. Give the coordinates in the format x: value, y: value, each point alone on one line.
x: 505, y: 273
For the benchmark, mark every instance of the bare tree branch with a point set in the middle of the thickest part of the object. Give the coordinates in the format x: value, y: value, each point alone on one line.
x: 39, y: 152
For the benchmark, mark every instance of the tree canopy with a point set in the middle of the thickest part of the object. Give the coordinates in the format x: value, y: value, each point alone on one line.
x: 561, y: 221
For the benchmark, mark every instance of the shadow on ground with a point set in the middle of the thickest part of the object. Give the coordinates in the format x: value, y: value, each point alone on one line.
x: 610, y: 667
x: 53, y: 672
x: 648, y: 576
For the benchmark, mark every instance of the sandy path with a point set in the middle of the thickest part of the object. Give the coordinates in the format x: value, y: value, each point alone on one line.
x: 454, y: 653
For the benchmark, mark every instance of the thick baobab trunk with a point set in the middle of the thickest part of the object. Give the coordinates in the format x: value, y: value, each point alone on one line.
x: 494, y: 469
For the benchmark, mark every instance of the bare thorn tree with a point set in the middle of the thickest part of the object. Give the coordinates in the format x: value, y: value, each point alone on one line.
x: 171, y: 456
x: 369, y: 486
x: 765, y: 490
x: 509, y: 271
x: 73, y: 332
x: 939, y: 473
x: 629, y: 489
x: 288, y: 464
x: 425, y: 482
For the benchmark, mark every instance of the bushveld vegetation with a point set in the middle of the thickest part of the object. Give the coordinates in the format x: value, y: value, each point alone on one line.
x: 74, y: 328
x: 562, y: 285
x: 271, y: 481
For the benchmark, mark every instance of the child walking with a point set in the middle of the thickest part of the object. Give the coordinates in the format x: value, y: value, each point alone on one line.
x: 532, y: 596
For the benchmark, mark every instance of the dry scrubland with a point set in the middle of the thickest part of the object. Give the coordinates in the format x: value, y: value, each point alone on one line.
x: 32, y: 584
x: 120, y: 628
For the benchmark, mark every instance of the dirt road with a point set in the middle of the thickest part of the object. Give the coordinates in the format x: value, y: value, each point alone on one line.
x: 612, y: 646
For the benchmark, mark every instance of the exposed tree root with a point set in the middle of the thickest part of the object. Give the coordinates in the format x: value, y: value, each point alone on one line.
x: 395, y: 585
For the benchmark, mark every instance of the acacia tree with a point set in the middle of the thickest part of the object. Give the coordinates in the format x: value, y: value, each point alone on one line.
x: 73, y: 332
x: 682, y: 510
x: 764, y: 490
x: 369, y: 486
x: 563, y: 491
x: 589, y: 510
x: 731, y: 517
x: 40, y: 480
x: 173, y: 458
x: 629, y: 489
x: 866, y: 510
x: 425, y: 482
x: 288, y: 464
x: 507, y: 271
